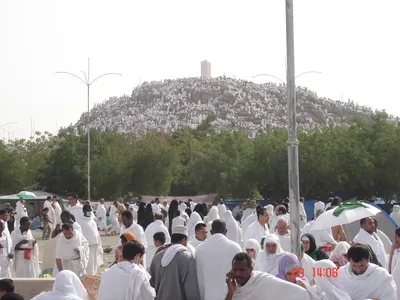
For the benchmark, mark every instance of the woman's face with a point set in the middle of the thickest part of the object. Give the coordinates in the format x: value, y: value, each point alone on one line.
x: 292, y: 274
x: 251, y: 252
x: 271, y: 248
x: 306, y: 245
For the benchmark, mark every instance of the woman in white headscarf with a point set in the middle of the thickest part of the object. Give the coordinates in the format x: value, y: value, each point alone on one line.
x: 194, y: 219
x: 252, y: 248
x: 232, y: 227
x: 268, y: 259
x: 329, y: 288
x: 212, y: 215
x: 182, y: 208
x: 67, y: 286
x: 341, y: 248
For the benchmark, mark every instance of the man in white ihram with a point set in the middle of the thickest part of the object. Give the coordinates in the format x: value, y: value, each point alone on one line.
x: 245, y: 284
x: 101, y: 215
x: 154, y: 227
x: 213, y: 260
x: 258, y: 229
x: 6, y: 252
x: 283, y: 233
x: 364, y: 280
x: 21, y: 211
x: 75, y: 207
x: 368, y: 236
x: 52, y: 213
x: 127, y: 280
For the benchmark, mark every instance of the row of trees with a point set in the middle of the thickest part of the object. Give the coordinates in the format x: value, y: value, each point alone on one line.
x: 362, y: 159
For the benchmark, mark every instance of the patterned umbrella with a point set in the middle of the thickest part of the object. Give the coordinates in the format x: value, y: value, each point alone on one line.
x: 26, y: 195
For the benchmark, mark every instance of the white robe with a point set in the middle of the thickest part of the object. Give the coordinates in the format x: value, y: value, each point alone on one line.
x: 114, y: 219
x: 307, y: 263
x: 247, y: 212
x: 154, y: 227
x: 263, y: 286
x: 232, y: 227
x: 286, y: 243
x: 303, y: 215
x: 256, y: 231
x: 246, y: 223
x: 221, y: 210
x: 58, y: 212
x: 195, y: 242
x: 322, y: 237
x: 67, y: 286
x: 395, y: 215
x: 194, y: 219
x: 341, y: 248
x: 101, y: 215
x: 213, y: 260
x: 125, y: 281
x: 23, y: 267
x: 21, y: 211
x: 77, y: 211
x: 5, y: 250
x: 212, y: 215
x: 91, y: 234
x: 52, y: 214
x: 266, y: 262
x: 375, y: 243
x: 395, y: 270
x: 385, y: 240
x: 375, y: 282
x: 71, y: 260
x: 139, y: 235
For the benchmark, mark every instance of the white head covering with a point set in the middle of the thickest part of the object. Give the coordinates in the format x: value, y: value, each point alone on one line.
x: 270, y: 209
x: 252, y: 244
x: 182, y: 207
x: 265, y: 261
x: 329, y: 286
x: 213, y: 214
x: 232, y: 227
x: 67, y: 286
x: 194, y: 219
x: 341, y: 248
x: 318, y: 205
x: 180, y: 229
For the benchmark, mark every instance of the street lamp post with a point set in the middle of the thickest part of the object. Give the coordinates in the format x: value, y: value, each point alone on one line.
x: 88, y: 83
x: 293, y: 143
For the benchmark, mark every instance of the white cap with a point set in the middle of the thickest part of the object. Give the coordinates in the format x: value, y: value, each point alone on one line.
x: 180, y: 229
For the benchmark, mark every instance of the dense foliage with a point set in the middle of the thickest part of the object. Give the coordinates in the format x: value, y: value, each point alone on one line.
x: 362, y: 159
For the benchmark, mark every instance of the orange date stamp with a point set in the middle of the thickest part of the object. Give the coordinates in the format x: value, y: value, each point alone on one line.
x: 317, y: 272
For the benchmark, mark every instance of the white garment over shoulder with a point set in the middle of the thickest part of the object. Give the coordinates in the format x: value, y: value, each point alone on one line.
x: 375, y: 282
x: 307, y: 263
x: 194, y: 219
x: 221, y: 209
x: 232, y: 227
x: 385, y: 240
x: 375, y: 243
x: 154, y: 227
x: 5, y: 250
x: 286, y: 243
x: 246, y: 223
x: 395, y: 270
x: 262, y: 285
x: 395, y: 215
x: 125, y: 281
x: 213, y: 260
x: 139, y: 235
x: 67, y: 286
x: 255, y: 231
x: 77, y: 211
x: 212, y: 215
x: 247, y: 212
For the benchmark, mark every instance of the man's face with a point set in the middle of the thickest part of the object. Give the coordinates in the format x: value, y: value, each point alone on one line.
x: 265, y: 217
x: 25, y: 226
x: 369, y: 225
x: 126, y: 221
x: 241, y: 271
x: 101, y: 201
x: 4, y: 217
x: 157, y: 201
x: 360, y: 267
x: 201, y: 234
x: 68, y: 234
x: 281, y: 227
x: 271, y: 248
x: 71, y: 200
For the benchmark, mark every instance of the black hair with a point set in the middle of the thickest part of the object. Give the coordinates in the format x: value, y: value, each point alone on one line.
x: 336, y: 201
x: 302, y: 199
x: 286, y: 205
x: 357, y: 253
x: 131, y: 249
x: 199, y: 226
x: 160, y: 236
x: 177, y: 213
x: 45, y: 209
x: 188, y: 211
x: 177, y: 238
x: 158, y: 216
x: 148, y: 216
x: 23, y: 220
x: 67, y: 226
x: 87, y: 207
x: 218, y: 226
x: 48, y: 198
x: 67, y: 214
x: 123, y: 238
x: 282, y: 209
x: 260, y: 211
x: 242, y: 256
x: 318, y: 198
x: 362, y: 221
x: 74, y: 196
x: 397, y: 231
x: 7, y: 285
x: 173, y: 206
x: 2, y: 212
x: 12, y: 296
x: 127, y: 214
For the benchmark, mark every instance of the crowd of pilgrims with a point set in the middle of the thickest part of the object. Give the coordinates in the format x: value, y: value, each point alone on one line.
x: 189, y: 251
x: 170, y: 104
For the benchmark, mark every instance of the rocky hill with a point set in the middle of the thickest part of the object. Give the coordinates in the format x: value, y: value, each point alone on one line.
x: 171, y: 104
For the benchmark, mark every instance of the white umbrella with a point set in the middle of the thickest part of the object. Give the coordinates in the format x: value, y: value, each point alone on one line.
x: 26, y: 195
x: 344, y: 214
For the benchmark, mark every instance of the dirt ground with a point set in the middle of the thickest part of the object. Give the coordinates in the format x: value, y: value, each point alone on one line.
x: 106, y: 240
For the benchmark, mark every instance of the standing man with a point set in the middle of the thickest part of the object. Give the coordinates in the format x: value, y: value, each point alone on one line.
x: 11, y: 216
x: 258, y: 229
x: 51, y: 214
x: 200, y: 234
x: 20, y: 211
x: 101, y: 215
x: 211, y: 265
x: 173, y: 270
x: 75, y: 207
x: 57, y: 209
x: 26, y: 261
x: 5, y: 251
x: 4, y: 216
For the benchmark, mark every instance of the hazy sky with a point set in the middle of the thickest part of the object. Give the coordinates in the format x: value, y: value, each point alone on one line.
x: 354, y: 43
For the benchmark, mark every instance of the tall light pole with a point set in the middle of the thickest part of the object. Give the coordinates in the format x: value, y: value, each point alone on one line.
x: 4, y: 130
x: 88, y: 83
x: 293, y: 143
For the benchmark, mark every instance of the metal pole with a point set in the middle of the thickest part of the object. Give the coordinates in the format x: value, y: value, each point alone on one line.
x: 293, y: 150
x: 88, y: 128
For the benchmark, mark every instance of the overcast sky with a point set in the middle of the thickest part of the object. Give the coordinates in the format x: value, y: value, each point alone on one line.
x: 353, y: 43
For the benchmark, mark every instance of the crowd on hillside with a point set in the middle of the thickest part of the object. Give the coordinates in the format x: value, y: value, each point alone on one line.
x: 170, y: 104
x: 193, y: 251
